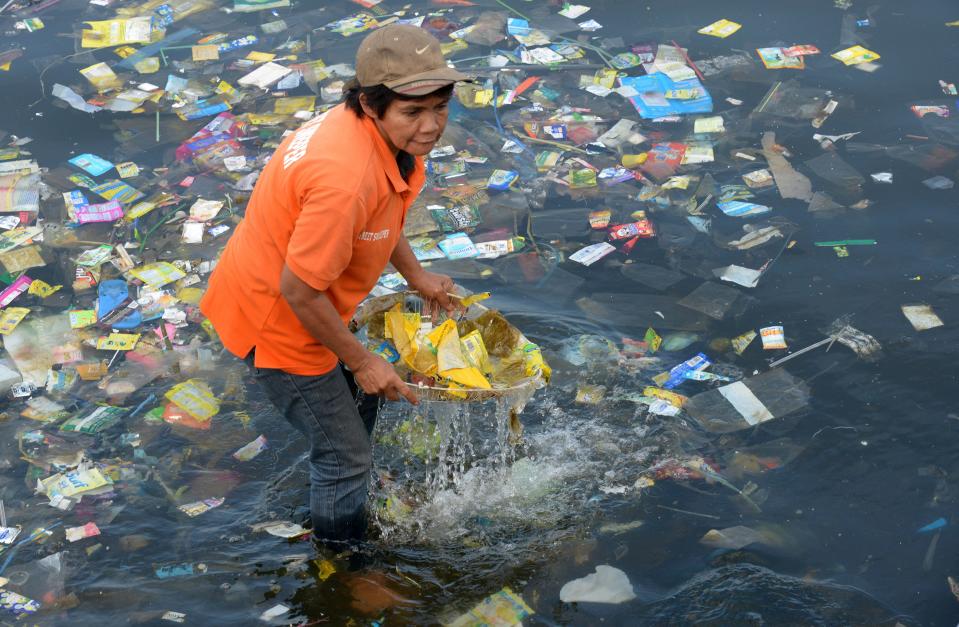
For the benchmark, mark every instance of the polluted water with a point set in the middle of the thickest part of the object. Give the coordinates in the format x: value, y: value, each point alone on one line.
x: 710, y: 251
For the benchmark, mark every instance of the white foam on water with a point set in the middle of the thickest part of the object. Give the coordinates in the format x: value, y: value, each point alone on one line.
x: 484, y: 477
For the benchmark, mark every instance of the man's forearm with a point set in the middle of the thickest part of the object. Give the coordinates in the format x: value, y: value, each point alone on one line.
x: 323, y: 322
x: 405, y: 261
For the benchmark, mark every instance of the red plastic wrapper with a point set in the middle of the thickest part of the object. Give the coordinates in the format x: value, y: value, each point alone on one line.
x: 640, y: 228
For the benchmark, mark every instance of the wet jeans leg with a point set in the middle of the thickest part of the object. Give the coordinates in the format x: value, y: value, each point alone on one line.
x: 338, y: 426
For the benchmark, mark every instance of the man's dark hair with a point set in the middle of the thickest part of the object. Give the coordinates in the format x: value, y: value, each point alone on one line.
x: 379, y: 98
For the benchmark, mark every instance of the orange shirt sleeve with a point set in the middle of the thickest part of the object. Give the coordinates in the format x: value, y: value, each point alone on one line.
x: 321, y: 245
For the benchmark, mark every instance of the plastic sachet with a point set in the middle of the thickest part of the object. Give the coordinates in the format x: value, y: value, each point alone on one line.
x: 861, y: 343
x: 715, y: 300
x: 746, y: 403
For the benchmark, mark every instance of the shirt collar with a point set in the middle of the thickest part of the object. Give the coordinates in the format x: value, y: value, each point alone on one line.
x: 387, y: 158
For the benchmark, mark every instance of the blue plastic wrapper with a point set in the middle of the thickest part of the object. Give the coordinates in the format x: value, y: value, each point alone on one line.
x: 387, y: 352
x: 935, y: 525
x: 680, y: 373
x: 18, y: 604
x: 659, y: 83
x: 501, y: 180
x: 738, y: 208
x: 91, y: 164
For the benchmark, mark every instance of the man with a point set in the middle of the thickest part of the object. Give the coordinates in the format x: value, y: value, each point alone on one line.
x: 325, y: 217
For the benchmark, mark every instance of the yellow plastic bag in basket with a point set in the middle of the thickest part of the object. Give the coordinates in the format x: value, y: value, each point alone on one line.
x: 451, y: 363
x: 402, y: 330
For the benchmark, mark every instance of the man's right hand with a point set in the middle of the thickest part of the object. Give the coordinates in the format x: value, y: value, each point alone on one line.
x: 376, y: 376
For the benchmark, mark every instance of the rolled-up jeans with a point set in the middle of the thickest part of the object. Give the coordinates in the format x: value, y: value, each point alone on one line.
x: 337, y: 419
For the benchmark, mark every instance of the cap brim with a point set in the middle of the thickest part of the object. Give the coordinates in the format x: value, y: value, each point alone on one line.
x: 426, y: 82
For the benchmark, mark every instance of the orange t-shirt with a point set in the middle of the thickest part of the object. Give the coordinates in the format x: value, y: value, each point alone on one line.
x: 331, y: 205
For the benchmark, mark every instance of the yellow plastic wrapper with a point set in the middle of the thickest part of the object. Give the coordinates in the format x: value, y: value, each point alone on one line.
x: 722, y: 28
x: 500, y: 337
x: 148, y: 65
x: 475, y: 298
x: 454, y: 390
x: 503, y: 608
x: 401, y: 328
x: 605, y: 78
x: 124, y: 51
x: 856, y: 55
x: 265, y: 119
x: 42, y: 288
x: 190, y: 295
x: 118, y: 342
x: 91, y: 371
x: 473, y: 96
x: 194, y: 397
x: 101, y: 76
x: 180, y: 8
x: 534, y: 362
x: 475, y: 350
x: 590, y: 394
x: 260, y: 57
x: 451, y: 363
x: 207, y: 326
x: 104, y: 33
x: 158, y: 273
x: 454, y: 46
x: 206, y: 52
x: 224, y: 87
x: 425, y: 361
x: 325, y: 568
x: 674, y: 399
x: 11, y: 317
x: 289, y: 106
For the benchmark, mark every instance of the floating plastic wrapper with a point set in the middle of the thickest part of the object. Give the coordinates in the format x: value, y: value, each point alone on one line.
x: 861, y: 343
x: 847, y: 182
x: 661, y: 106
x: 789, y: 100
x: 652, y: 276
x: 140, y: 368
x: 929, y: 157
x: 40, y: 579
x: 716, y: 301
x: 641, y: 311
x: 38, y: 343
x: 759, y: 458
x: 502, y: 608
x: 19, y: 186
x: 746, y: 403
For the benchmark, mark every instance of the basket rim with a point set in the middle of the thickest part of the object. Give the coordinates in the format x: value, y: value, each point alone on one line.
x: 526, y: 383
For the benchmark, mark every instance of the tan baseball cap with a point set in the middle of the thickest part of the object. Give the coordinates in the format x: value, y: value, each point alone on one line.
x: 405, y: 58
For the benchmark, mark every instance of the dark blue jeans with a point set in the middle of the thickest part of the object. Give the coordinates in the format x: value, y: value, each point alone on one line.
x: 337, y: 419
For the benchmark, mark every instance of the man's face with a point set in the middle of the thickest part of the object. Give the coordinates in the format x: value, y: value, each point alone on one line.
x: 413, y: 126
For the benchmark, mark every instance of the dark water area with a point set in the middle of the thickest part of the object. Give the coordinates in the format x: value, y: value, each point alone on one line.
x: 851, y: 477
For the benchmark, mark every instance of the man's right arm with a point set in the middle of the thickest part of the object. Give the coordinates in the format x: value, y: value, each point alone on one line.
x: 317, y: 314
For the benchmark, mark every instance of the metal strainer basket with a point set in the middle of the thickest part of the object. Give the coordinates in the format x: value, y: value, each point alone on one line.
x: 517, y: 394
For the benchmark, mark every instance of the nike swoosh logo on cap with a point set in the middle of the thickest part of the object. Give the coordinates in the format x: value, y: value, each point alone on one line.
x: 423, y: 49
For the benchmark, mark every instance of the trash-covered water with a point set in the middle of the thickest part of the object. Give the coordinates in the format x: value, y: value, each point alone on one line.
x: 816, y: 492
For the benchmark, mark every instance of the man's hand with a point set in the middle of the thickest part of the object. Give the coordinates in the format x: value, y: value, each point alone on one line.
x: 376, y: 376
x: 435, y: 290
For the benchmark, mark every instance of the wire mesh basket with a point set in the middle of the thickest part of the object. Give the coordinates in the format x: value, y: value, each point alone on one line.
x: 368, y: 323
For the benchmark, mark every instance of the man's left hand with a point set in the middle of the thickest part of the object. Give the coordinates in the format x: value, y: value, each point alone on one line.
x: 435, y: 290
